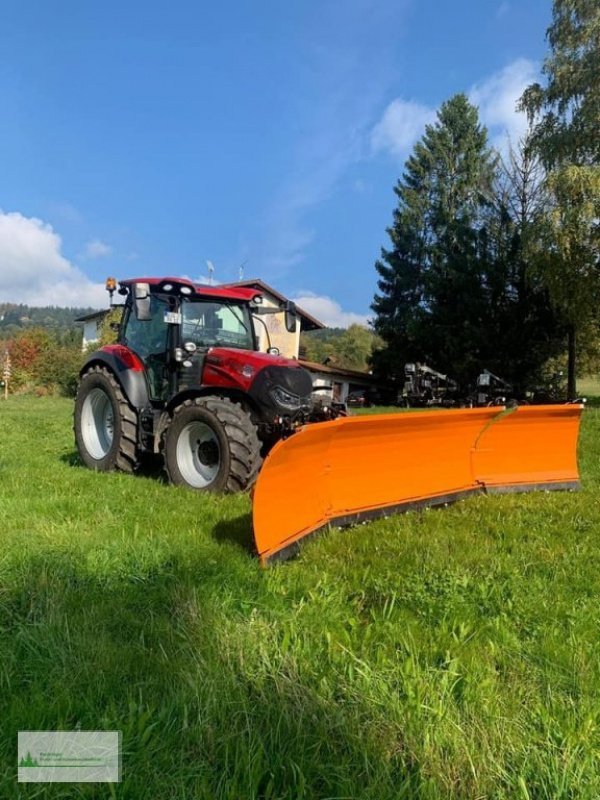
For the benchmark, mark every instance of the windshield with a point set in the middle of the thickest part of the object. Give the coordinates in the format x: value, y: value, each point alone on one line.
x: 217, y: 324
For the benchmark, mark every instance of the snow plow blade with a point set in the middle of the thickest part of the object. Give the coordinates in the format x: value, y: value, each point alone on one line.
x: 529, y: 448
x: 355, y: 469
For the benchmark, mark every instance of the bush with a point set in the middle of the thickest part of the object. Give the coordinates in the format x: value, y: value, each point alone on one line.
x: 60, y: 371
x: 41, y: 361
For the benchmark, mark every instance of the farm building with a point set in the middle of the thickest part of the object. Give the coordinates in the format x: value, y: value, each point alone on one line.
x: 337, y: 383
x: 91, y: 327
x: 270, y: 329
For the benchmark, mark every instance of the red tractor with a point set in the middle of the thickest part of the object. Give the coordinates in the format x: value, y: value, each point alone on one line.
x: 186, y: 380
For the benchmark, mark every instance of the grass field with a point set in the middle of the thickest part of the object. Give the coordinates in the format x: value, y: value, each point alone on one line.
x: 441, y: 654
x: 589, y: 387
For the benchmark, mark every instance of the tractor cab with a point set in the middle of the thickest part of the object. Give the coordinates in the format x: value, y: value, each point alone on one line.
x: 172, y: 330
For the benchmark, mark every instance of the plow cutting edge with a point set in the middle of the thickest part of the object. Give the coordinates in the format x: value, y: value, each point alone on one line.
x: 359, y: 468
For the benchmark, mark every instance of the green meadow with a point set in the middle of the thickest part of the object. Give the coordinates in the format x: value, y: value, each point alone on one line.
x: 443, y: 654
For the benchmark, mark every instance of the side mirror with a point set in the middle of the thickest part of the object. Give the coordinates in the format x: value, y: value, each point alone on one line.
x: 273, y: 351
x: 141, y: 299
x: 291, y: 316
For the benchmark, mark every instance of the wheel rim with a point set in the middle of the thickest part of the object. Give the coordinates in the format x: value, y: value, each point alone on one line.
x: 198, y: 454
x: 97, y: 424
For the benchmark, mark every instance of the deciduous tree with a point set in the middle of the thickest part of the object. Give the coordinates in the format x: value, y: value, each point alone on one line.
x: 565, y: 113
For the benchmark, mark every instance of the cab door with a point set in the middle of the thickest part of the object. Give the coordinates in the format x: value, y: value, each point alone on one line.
x: 150, y: 340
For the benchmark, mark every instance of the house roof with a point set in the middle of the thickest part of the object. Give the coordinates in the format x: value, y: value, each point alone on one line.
x: 93, y: 315
x: 308, y: 322
x: 351, y: 375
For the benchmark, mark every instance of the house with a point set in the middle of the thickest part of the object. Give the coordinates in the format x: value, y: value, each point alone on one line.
x: 336, y: 383
x: 270, y: 328
x: 92, y: 325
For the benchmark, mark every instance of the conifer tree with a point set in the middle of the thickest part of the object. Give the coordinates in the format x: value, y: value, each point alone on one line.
x: 457, y: 289
x: 432, y: 300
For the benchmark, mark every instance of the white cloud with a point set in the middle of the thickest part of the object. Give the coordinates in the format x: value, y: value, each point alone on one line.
x: 201, y: 279
x: 97, y: 249
x: 402, y: 123
x: 33, y: 269
x: 328, y: 311
x: 497, y: 98
x: 502, y: 9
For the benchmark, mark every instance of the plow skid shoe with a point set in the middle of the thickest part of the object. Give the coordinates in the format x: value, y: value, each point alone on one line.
x: 529, y: 448
x: 359, y: 468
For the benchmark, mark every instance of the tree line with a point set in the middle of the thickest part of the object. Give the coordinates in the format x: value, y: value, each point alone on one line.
x: 18, y: 317
x: 494, y: 261
x: 348, y: 348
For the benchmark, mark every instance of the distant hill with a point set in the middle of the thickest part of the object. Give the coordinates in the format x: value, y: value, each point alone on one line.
x: 15, y: 318
x: 325, y: 334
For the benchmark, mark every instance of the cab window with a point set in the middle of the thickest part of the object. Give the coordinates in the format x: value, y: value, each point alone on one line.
x: 150, y: 336
x: 208, y: 324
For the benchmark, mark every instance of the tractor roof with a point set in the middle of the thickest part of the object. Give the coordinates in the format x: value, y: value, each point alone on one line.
x: 198, y: 289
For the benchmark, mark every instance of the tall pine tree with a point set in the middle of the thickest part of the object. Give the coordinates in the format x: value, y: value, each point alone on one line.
x: 456, y: 289
x: 433, y: 300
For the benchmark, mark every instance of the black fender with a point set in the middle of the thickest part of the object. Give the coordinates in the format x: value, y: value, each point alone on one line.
x: 133, y: 381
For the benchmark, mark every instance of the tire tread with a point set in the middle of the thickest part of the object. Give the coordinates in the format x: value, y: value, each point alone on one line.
x: 127, y: 455
x: 241, y: 434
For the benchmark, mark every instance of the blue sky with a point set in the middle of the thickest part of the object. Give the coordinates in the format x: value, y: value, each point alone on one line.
x: 145, y: 138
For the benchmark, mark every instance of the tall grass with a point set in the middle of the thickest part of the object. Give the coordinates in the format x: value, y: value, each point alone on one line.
x: 441, y: 654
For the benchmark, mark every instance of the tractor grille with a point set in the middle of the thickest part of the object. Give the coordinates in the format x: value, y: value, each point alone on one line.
x: 275, y: 383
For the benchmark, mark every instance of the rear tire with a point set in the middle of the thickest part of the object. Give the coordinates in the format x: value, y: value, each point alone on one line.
x: 212, y: 445
x: 105, y: 425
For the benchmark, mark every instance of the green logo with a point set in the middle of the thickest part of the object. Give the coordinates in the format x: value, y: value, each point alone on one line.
x: 28, y: 761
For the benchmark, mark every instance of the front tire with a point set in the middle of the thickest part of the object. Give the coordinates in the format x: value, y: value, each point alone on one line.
x: 105, y: 425
x: 212, y: 445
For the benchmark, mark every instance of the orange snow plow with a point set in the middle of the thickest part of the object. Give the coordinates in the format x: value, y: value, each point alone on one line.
x: 360, y: 468
x: 528, y: 448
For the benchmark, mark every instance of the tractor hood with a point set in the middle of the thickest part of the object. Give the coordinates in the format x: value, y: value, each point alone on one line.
x: 246, y: 363
x: 272, y: 381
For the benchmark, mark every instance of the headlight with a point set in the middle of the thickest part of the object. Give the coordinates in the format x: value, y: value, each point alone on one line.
x: 286, y: 399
